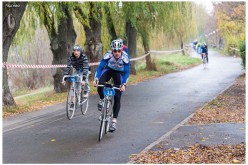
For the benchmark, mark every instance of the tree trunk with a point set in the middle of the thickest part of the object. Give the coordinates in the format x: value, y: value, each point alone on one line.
x: 182, y: 47
x: 93, y: 44
x: 12, y: 15
x: 61, y: 46
x: 145, y: 39
x: 110, y: 23
x: 131, y: 35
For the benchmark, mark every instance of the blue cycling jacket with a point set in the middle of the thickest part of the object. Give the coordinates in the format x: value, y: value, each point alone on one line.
x: 121, y: 65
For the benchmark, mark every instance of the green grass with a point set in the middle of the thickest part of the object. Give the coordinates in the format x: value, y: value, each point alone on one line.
x: 164, y: 63
x: 21, y: 92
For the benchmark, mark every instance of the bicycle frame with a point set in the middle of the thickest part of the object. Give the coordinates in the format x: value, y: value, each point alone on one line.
x: 204, y: 60
x: 106, y: 115
x: 75, y: 95
x: 75, y: 79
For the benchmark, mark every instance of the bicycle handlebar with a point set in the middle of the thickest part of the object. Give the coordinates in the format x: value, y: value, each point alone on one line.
x: 113, y: 87
x: 77, y: 75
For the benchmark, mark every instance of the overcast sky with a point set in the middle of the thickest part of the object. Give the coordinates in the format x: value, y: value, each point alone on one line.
x: 206, y: 3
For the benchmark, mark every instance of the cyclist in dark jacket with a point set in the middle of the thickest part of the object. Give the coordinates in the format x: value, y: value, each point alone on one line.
x: 204, y: 49
x: 125, y: 48
x: 79, y: 61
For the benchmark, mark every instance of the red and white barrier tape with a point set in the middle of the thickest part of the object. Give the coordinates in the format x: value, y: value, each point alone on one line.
x: 165, y: 51
x: 138, y: 58
x: 234, y: 49
x: 9, y: 66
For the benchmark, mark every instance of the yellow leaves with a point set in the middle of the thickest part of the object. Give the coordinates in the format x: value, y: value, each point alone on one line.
x: 235, y: 161
x: 227, y: 107
x: 195, y: 154
x: 204, y: 139
x: 132, y: 155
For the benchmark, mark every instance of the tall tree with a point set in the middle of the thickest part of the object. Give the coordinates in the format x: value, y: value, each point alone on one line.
x: 231, y: 22
x: 58, y: 21
x: 12, y: 14
x: 109, y: 20
x: 147, y: 14
x: 92, y: 27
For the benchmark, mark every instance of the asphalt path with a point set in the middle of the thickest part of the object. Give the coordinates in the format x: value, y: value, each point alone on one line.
x: 149, y: 110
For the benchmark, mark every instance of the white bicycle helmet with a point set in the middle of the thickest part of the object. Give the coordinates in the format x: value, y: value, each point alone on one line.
x: 116, y: 45
x: 77, y: 47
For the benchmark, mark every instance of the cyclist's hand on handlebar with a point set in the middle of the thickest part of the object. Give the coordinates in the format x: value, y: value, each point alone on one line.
x: 83, y: 83
x: 123, y: 88
x: 63, y: 82
x: 95, y: 83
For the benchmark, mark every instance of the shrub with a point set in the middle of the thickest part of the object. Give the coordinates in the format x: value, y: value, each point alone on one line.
x: 242, y: 53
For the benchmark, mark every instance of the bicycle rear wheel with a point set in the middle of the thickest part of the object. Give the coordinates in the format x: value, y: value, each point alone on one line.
x: 204, y: 62
x: 85, y: 104
x: 71, y: 104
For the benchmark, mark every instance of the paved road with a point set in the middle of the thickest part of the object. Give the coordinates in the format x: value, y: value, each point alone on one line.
x: 149, y: 110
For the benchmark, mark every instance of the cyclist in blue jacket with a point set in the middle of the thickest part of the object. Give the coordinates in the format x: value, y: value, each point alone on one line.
x: 115, y: 64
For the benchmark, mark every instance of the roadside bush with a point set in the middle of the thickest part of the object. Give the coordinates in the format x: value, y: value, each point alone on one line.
x: 242, y: 53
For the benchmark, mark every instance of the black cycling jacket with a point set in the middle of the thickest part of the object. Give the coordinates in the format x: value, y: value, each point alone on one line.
x: 79, y: 64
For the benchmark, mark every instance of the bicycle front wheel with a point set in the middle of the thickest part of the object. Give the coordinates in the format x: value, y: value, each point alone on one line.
x: 103, y: 122
x: 85, y: 104
x: 109, y: 115
x: 102, y: 126
x: 71, y: 104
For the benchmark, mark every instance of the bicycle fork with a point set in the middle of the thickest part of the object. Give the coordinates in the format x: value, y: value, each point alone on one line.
x: 106, y: 116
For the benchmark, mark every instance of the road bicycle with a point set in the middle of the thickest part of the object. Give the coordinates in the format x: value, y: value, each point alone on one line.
x: 106, y: 112
x: 204, y: 60
x: 75, y: 96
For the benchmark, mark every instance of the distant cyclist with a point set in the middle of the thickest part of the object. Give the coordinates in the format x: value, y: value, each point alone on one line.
x: 204, y: 49
x: 198, y: 48
x: 194, y: 44
x: 115, y: 65
x: 79, y: 61
x: 125, y: 48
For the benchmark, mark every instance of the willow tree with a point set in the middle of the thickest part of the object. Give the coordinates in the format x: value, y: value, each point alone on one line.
x: 178, y: 23
x: 231, y: 21
x: 181, y: 20
x: 89, y: 15
x: 57, y: 18
x: 109, y: 20
x: 12, y: 15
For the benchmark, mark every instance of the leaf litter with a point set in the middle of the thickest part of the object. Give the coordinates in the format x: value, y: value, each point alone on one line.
x: 229, y: 106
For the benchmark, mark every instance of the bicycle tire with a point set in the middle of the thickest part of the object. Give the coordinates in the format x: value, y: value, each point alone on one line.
x: 204, y: 62
x: 109, y: 116
x: 103, y: 121
x: 102, y: 126
x: 108, y: 121
x: 70, y: 111
x: 84, y: 105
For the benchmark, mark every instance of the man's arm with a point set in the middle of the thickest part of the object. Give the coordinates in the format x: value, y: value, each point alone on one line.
x: 68, y: 68
x: 85, y: 67
x: 100, y: 68
x: 126, y: 73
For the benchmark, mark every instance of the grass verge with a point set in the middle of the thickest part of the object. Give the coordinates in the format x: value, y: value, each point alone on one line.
x: 164, y: 63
